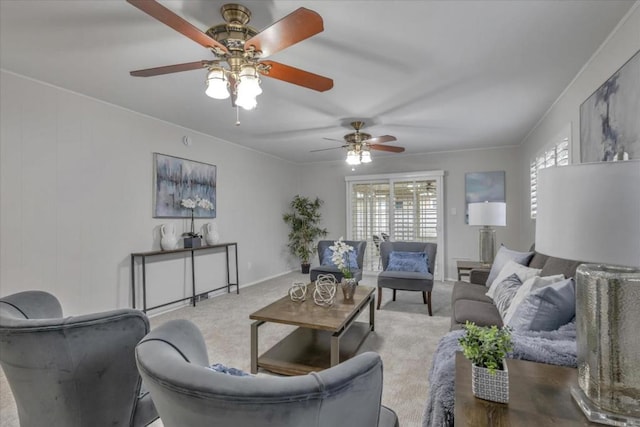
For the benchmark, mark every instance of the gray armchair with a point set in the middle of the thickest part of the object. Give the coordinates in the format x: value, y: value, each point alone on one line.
x: 407, y: 280
x: 358, y: 245
x: 173, y: 362
x: 72, y: 371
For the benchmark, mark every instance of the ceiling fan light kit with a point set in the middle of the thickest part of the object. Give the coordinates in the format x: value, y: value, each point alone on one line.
x: 238, y: 48
x: 360, y: 144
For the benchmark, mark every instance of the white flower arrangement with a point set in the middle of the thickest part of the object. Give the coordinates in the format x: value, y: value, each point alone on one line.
x: 198, y: 202
x: 340, y: 257
x: 192, y: 204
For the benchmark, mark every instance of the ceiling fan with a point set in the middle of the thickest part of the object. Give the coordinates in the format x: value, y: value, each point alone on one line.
x: 239, y: 49
x: 360, y: 144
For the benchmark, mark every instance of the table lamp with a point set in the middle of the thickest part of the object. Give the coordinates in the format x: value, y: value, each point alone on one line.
x: 488, y: 214
x: 591, y: 212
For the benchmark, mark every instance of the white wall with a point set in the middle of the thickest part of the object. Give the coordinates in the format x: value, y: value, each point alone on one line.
x: 327, y: 181
x: 623, y: 42
x: 76, y: 199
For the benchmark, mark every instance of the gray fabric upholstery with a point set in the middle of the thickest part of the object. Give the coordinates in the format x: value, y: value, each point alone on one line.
x: 358, y: 245
x: 172, y: 360
x: 72, y: 371
x: 403, y: 280
x: 468, y: 301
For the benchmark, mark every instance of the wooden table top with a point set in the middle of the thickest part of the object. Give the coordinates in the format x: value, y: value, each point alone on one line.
x: 308, y: 314
x: 539, y: 395
x: 465, y: 264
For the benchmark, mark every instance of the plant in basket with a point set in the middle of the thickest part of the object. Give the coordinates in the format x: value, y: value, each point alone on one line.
x: 486, y: 347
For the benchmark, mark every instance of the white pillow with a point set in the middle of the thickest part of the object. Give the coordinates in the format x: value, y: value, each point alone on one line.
x: 512, y: 267
x: 528, y: 287
x: 501, y: 259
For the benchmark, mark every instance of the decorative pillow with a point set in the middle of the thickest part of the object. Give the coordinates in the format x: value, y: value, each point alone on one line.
x: 219, y: 367
x: 505, y: 291
x: 502, y: 257
x: 510, y: 268
x: 546, y: 309
x: 529, y: 286
x: 408, y: 261
x: 328, y: 262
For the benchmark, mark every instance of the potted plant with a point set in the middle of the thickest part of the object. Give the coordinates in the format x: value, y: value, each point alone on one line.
x: 486, y: 348
x: 340, y: 257
x: 304, y: 220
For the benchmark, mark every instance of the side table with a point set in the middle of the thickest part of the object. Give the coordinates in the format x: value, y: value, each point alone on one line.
x: 539, y: 395
x: 465, y: 267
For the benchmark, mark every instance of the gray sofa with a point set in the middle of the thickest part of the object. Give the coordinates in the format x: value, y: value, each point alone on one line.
x: 469, y: 302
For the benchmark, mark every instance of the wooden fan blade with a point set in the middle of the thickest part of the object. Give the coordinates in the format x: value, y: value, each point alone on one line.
x: 389, y: 148
x: 333, y: 139
x: 168, y: 69
x: 167, y: 17
x: 381, y: 139
x: 293, y: 28
x: 326, y: 149
x: 297, y: 76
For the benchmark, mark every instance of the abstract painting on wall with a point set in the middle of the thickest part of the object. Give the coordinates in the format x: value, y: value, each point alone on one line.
x: 483, y: 187
x: 610, y: 117
x: 177, y: 179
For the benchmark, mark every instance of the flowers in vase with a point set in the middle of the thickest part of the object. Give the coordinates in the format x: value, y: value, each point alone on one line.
x: 340, y: 257
x: 192, y: 204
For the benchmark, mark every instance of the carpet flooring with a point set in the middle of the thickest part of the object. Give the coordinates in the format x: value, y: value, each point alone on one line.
x: 405, y: 337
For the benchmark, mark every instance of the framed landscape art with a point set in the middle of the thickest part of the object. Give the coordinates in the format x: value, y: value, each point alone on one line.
x: 177, y: 179
x: 610, y: 117
x: 483, y: 187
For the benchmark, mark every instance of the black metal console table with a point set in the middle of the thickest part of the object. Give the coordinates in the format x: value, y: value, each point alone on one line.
x: 144, y: 255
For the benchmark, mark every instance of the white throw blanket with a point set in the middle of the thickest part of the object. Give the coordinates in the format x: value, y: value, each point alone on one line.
x: 553, y: 347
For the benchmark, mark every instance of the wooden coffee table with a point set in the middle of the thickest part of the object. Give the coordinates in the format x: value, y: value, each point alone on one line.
x: 324, y: 337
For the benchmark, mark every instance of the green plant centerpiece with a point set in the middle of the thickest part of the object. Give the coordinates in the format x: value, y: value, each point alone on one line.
x: 304, y: 220
x: 486, y: 347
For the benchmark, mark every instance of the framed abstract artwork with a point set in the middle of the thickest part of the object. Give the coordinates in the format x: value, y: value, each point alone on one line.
x: 177, y: 179
x: 610, y: 117
x: 483, y: 187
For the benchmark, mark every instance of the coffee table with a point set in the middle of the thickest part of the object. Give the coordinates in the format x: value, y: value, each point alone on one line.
x: 324, y: 337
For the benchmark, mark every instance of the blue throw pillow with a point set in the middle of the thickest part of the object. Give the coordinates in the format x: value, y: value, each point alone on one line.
x: 219, y: 367
x: 547, y: 308
x: 327, y: 262
x: 408, y: 261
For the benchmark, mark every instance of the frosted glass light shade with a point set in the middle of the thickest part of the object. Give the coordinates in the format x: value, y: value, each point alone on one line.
x: 352, y: 158
x: 217, y: 84
x: 488, y: 213
x: 365, y: 157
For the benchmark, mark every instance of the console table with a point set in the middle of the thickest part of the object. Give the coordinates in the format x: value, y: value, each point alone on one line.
x: 193, y: 251
x: 539, y: 395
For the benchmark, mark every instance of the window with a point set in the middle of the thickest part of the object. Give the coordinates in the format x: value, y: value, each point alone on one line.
x: 557, y: 155
x: 405, y: 207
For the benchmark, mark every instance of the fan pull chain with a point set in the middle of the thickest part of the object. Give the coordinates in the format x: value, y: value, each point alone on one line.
x: 237, y: 116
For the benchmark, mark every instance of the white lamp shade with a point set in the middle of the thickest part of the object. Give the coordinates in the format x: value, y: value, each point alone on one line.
x: 352, y: 158
x: 488, y: 213
x: 217, y: 84
x: 365, y: 157
x: 590, y: 212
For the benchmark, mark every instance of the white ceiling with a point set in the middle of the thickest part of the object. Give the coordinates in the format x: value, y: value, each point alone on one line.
x: 439, y: 75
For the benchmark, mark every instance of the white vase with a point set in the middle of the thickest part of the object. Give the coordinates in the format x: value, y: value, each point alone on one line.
x: 168, y: 239
x: 212, y: 237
